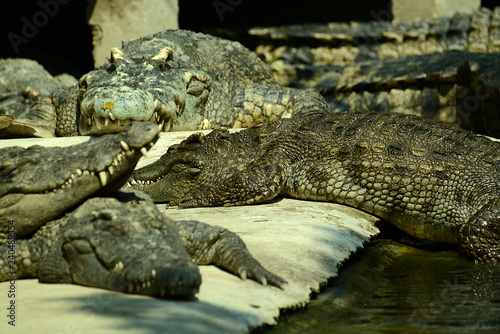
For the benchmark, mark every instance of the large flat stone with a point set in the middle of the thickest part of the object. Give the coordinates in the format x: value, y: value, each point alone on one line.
x: 122, y: 20
x: 410, y: 9
x: 305, y: 242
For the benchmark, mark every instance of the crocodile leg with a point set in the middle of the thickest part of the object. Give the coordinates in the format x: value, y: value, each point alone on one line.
x: 479, y: 237
x: 215, y: 245
x: 257, y: 103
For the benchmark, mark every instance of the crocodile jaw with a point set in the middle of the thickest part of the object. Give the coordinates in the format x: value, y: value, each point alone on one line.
x: 110, y: 110
x: 99, y: 166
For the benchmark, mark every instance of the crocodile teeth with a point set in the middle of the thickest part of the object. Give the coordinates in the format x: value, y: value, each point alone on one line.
x: 79, y: 172
x: 125, y: 146
x: 106, y: 121
x: 111, y: 170
x: 89, y: 120
x: 104, y: 177
x: 110, y: 114
x: 133, y: 183
x: 167, y: 125
x: 144, y: 151
x: 119, y: 266
x: 98, y: 124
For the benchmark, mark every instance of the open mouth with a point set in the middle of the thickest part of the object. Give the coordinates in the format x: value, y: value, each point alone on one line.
x: 106, y: 174
x: 106, y: 121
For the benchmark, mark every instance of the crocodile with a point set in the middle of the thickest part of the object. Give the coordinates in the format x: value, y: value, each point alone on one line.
x: 38, y: 184
x: 24, y: 83
x: 124, y: 243
x: 431, y: 179
x: 180, y: 80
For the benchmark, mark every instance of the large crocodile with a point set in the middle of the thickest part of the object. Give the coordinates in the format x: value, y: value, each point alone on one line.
x: 121, y: 243
x: 181, y: 80
x: 431, y: 179
x: 124, y: 243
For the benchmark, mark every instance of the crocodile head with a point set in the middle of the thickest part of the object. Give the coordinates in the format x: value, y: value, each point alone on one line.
x: 38, y: 184
x: 213, y: 168
x: 146, y: 84
x: 183, y: 169
x: 123, y: 244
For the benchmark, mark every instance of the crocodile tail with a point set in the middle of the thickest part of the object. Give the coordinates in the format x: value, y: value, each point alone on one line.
x: 479, y: 237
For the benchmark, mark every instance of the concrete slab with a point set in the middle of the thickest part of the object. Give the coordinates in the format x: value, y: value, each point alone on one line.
x: 410, y: 9
x: 304, y: 242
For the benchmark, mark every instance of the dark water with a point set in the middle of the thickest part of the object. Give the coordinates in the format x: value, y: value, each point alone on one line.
x: 394, y: 288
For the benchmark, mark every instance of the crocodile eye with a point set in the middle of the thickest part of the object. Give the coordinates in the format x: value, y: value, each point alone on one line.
x: 160, y: 61
x: 110, y: 67
x: 162, y: 66
x: 185, y: 168
x: 117, y: 58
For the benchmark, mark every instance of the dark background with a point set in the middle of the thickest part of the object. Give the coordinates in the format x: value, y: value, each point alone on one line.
x: 64, y: 44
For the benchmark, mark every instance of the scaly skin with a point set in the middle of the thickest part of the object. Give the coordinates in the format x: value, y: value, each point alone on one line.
x: 125, y: 244
x: 180, y: 80
x: 39, y: 184
x: 431, y: 179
